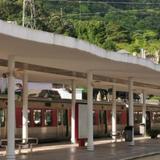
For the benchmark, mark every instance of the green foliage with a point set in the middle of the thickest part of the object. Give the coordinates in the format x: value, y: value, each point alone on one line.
x: 10, y: 10
x: 60, y: 26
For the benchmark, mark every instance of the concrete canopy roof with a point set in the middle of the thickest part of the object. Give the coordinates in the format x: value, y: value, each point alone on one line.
x: 72, y: 58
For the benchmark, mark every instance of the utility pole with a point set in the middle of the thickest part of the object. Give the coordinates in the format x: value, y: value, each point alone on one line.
x: 61, y: 11
x: 80, y: 12
x: 28, y: 17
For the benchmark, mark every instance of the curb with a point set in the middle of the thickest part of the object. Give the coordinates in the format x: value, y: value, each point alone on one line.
x: 141, y: 156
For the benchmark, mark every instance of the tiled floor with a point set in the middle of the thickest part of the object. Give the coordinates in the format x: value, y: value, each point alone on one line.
x: 104, y: 150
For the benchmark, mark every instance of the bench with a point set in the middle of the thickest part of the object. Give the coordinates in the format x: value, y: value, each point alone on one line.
x: 22, y: 143
x: 27, y: 143
x: 4, y: 142
x: 118, y: 135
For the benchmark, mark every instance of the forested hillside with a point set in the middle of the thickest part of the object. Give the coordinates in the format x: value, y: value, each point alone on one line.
x: 119, y: 24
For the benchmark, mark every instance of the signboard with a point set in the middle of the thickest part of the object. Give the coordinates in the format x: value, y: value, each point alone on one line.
x: 82, y: 121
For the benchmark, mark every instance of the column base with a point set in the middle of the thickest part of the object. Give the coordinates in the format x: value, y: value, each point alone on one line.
x: 90, y: 148
x: 10, y: 157
x: 145, y: 135
x: 114, y: 140
x: 131, y: 143
x: 73, y: 141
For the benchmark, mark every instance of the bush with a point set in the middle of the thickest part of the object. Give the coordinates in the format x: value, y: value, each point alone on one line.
x: 153, y: 133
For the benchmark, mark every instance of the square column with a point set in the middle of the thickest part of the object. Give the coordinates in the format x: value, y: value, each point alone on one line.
x: 114, y: 127
x: 11, y: 110
x: 25, y: 107
x: 144, y: 112
x: 73, y: 140
x: 131, y: 109
x: 90, y: 145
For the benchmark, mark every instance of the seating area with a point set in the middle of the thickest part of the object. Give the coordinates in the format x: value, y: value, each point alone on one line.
x: 118, y: 135
x: 21, y: 143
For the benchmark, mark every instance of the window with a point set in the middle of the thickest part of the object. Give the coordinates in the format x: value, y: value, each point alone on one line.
x: 137, y: 117
x: 60, y: 117
x: 65, y: 117
x: 2, y: 118
x: 29, y: 118
x: 54, y: 94
x: 48, y: 118
x: 49, y: 94
x: 156, y: 117
x: 37, y: 118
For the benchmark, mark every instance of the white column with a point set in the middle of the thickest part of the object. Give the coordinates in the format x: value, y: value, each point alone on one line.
x: 73, y: 140
x: 11, y: 110
x: 90, y: 145
x: 23, y: 14
x: 144, y: 112
x: 131, y: 112
x: 114, y: 129
x: 25, y: 107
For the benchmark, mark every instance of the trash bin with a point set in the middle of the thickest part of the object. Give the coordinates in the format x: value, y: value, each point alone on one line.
x: 128, y: 133
x: 142, y: 128
x: 81, y: 142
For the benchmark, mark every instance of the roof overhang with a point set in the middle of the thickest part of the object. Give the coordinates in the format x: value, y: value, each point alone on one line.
x: 49, y: 57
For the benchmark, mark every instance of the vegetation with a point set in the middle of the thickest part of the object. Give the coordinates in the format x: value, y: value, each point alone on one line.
x: 113, y: 26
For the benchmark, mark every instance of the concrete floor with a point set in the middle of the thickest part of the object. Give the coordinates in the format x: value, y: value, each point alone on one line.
x: 104, y: 150
x: 155, y: 157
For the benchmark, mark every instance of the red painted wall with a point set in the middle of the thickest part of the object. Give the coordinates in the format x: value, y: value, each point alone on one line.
x: 18, y: 117
x: 54, y: 117
x: 124, y: 118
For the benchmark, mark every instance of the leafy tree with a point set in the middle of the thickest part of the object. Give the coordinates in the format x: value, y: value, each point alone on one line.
x: 11, y: 10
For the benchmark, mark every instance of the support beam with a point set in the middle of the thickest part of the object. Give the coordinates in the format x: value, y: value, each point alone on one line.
x: 25, y: 107
x: 131, y: 112
x: 144, y: 112
x: 11, y: 110
x: 114, y: 129
x: 90, y: 145
x: 73, y: 140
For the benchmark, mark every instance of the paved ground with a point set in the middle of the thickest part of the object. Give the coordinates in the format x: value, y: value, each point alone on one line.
x: 104, y: 150
x: 155, y: 157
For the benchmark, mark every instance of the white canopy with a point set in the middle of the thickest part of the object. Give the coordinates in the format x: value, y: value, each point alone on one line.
x: 49, y: 57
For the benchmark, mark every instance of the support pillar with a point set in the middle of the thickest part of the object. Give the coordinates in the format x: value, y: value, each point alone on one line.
x: 11, y: 110
x: 73, y: 140
x: 114, y: 128
x: 25, y: 107
x: 90, y: 145
x: 144, y: 112
x: 131, y: 110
